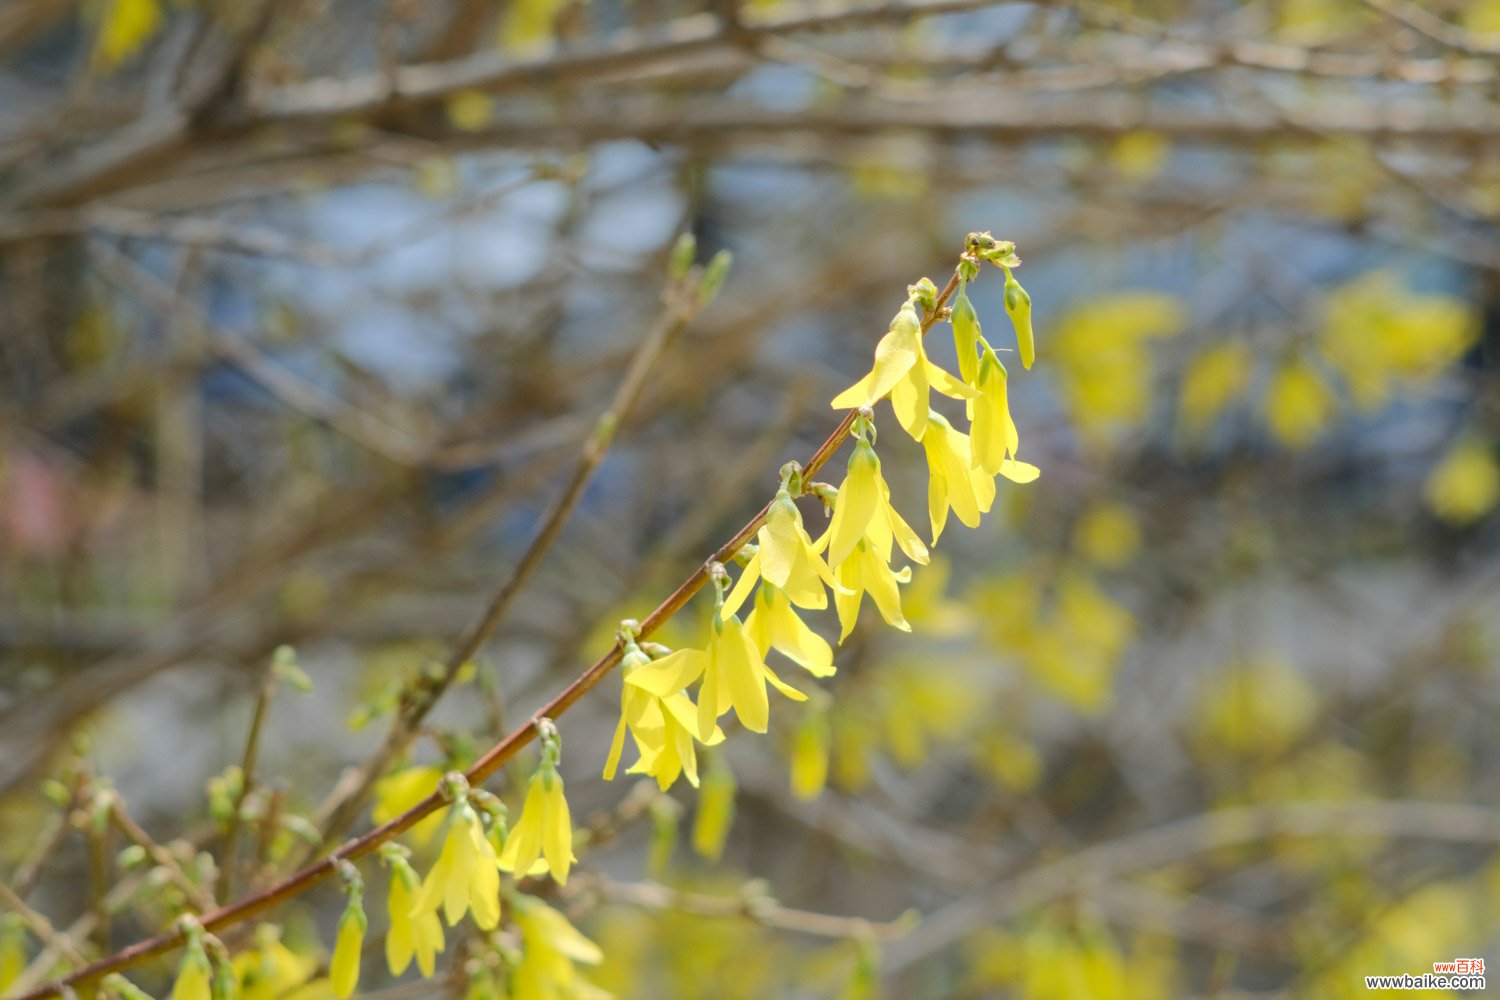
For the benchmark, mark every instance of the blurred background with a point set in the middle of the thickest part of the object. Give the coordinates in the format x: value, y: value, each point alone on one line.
x: 308, y: 309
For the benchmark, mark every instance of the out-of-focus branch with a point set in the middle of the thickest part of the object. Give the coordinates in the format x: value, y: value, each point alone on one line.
x: 1172, y: 842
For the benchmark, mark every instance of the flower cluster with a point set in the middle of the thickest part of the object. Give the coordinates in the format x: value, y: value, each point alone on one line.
x: 789, y: 572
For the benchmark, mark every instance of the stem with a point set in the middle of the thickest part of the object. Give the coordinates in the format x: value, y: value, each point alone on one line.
x: 492, y: 761
x: 247, y: 780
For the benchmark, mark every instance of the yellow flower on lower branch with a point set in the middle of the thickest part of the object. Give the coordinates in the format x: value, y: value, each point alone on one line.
x: 193, y: 974
x: 545, y: 829
x: 994, y: 439
x: 663, y: 726
x: 551, y: 950
x: 866, y: 571
x: 954, y: 483
x: 343, y: 969
x: 787, y: 558
x: 773, y: 624
x: 413, y: 933
x: 464, y: 877
x: 734, y: 676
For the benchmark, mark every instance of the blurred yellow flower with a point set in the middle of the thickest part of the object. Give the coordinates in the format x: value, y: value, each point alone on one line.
x: 715, y: 809
x: 551, y: 948
x: 1298, y: 404
x: 1262, y: 704
x: 810, y: 756
x: 1107, y: 535
x: 399, y: 791
x: 1465, y: 485
x: 1213, y: 379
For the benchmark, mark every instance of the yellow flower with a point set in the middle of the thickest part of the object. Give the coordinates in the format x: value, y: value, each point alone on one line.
x: 663, y: 729
x: 465, y: 876
x: 193, y: 974
x: 551, y: 948
x: 545, y: 829
x: 1465, y: 486
x: 343, y: 969
x: 773, y: 624
x: 1299, y: 404
x: 903, y: 371
x: 994, y: 436
x: 786, y: 557
x: 413, y: 933
x: 867, y: 571
x: 955, y: 483
x: 734, y: 676
x: 12, y: 950
x: 863, y: 509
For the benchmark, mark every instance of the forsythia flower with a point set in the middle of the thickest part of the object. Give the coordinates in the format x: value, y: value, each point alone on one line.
x: 994, y: 439
x: 413, y: 933
x: 465, y: 876
x: 734, y: 676
x: 193, y: 974
x: 903, y: 371
x: 954, y: 482
x: 343, y: 969
x: 773, y: 624
x: 863, y: 509
x: 867, y: 571
x: 545, y: 829
x: 786, y: 557
x: 663, y: 728
x: 550, y: 947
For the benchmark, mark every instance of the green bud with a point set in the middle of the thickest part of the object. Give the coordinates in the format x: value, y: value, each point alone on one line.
x: 130, y: 858
x: 284, y: 667
x: 713, y: 277
x: 1018, y: 305
x: 684, y: 252
x: 966, y: 332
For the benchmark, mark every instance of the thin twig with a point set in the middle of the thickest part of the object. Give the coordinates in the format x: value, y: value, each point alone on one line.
x: 347, y: 800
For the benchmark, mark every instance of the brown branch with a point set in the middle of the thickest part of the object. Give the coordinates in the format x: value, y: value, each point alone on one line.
x: 366, y: 844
